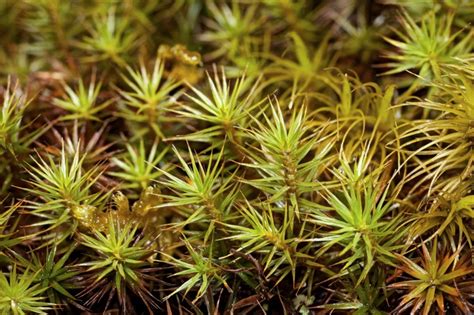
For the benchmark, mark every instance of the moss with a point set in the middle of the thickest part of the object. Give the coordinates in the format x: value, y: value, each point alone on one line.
x: 207, y: 156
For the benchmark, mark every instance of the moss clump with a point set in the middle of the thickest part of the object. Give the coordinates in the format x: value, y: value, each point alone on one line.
x: 236, y: 157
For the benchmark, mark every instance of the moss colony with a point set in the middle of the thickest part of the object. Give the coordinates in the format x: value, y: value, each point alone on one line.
x: 236, y: 157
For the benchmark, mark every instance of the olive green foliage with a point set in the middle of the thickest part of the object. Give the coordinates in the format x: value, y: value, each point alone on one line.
x: 236, y: 157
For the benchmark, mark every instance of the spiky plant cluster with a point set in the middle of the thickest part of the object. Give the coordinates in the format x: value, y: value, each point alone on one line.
x: 236, y: 157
